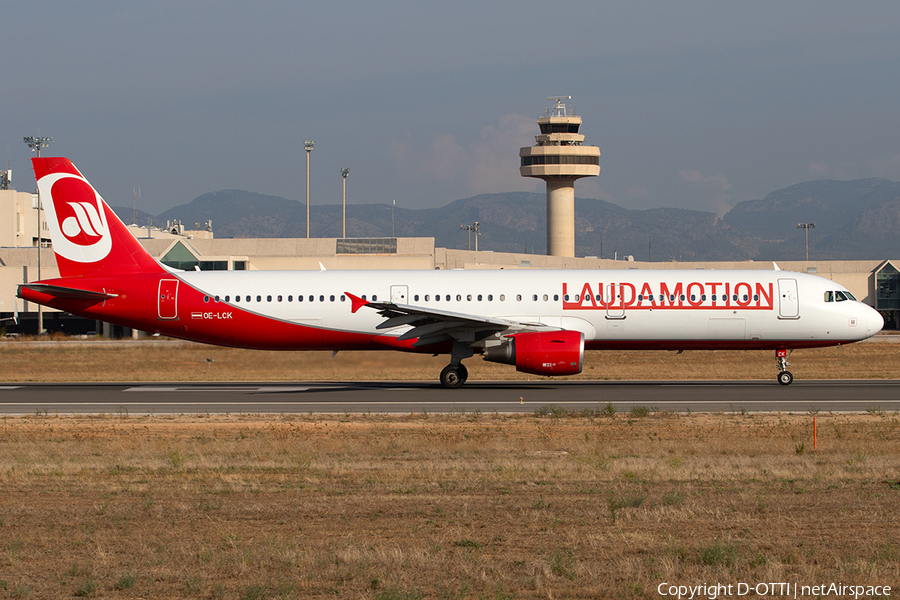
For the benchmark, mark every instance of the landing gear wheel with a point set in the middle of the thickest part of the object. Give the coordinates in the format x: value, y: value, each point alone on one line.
x: 785, y: 378
x: 452, y: 377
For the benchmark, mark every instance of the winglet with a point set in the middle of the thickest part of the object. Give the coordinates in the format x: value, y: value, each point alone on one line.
x: 357, y: 302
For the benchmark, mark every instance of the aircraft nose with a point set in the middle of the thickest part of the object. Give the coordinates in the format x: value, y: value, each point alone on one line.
x: 874, y: 322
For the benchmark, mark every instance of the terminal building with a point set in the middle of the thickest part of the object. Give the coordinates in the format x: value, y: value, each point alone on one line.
x: 559, y: 157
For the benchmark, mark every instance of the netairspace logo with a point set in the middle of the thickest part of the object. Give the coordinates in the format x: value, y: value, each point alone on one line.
x: 780, y: 589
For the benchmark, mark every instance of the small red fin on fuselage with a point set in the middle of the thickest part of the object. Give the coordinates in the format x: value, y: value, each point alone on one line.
x: 357, y: 302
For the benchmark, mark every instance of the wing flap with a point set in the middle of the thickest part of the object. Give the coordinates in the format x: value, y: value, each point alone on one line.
x: 429, y: 326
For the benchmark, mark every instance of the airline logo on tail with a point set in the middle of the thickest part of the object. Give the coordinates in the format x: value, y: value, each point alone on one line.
x: 76, y: 218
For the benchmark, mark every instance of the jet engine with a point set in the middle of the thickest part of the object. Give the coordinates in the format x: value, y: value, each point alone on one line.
x: 541, y: 352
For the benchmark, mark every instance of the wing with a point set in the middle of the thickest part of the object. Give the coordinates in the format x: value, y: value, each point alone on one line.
x: 431, y: 326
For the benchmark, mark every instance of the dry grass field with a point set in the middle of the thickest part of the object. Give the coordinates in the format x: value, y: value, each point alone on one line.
x: 544, y: 505
x: 168, y: 360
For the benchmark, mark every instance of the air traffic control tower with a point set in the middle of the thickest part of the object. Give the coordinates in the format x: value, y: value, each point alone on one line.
x: 559, y: 158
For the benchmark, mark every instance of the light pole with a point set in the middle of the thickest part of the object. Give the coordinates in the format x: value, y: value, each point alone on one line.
x: 308, y: 146
x: 470, y: 228
x: 393, y: 231
x: 344, y: 173
x: 36, y: 143
x: 806, y: 227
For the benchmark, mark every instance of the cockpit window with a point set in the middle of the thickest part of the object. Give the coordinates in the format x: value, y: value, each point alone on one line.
x: 840, y: 297
x: 850, y: 296
x: 829, y: 296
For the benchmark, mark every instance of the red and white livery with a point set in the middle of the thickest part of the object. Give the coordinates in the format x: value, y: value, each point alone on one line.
x: 539, y: 321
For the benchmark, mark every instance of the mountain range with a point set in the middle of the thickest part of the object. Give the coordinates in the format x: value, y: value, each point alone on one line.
x: 857, y: 219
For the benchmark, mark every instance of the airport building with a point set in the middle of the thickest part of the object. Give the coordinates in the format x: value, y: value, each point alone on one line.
x: 875, y: 282
x: 559, y: 158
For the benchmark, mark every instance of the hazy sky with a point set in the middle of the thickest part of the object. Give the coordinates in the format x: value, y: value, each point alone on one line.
x: 692, y: 104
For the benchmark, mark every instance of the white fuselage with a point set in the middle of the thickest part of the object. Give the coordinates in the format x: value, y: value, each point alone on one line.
x: 621, y: 308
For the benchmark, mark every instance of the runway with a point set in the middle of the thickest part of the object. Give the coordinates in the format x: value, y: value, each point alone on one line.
x: 405, y: 397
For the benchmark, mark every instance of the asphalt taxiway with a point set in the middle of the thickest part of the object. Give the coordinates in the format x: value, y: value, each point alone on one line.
x: 405, y: 397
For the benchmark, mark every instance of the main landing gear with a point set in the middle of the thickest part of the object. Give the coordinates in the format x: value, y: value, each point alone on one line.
x: 453, y: 377
x: 784, y: 376
x: 455, y: 374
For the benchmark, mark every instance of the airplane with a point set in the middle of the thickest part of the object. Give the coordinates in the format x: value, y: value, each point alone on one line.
x: 539, y: 321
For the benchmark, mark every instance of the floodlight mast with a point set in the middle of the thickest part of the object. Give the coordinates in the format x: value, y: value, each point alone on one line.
x: 308, y: 146
x: 36, y: 143
x: 344, y: 173
x: 806, y: 227
x: 470, y: 228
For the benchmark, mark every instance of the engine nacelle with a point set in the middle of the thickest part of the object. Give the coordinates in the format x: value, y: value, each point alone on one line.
x: 541, y: 352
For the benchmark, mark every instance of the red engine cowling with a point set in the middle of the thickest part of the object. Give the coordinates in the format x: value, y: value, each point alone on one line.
x: 542, y: 352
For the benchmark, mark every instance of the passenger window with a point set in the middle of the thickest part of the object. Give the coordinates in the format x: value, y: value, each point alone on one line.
x: 299, y: 298
x: 343, y: 298
x: 519, y: 297
x: 702, y: 297
x: 268, y: 298
x: 490, y: 297
x: 746, y: 297
x: 437, y: 297
x: 459, y: 297
x: 427, y: 297
x: 416, y: 298
x: 545, y: 297
x: 237, y: 299
x: 447, y: 298
x: 363, y: 297
x: 331, y: 298
x: 312, y: 298
x: 259, y: 298
x: 206, y: 298
x: 640, y: 297
x: 681, y: 297
x: 734, y: 297
x: 556, y: 297
x: 566, y: 297
x: 502, y: 297
x: 479, y: 297
x: 756, y: 297
x: 227, y: 298
x: 469, y: 297
x: 290, y: 298
x: 534, y: 298
x: 374, y: 298
x: 248, y: 298
x: 279, y: 298
x: 322, y: 298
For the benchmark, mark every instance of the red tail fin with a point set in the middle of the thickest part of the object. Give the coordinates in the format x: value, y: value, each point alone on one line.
x: 88, y: 238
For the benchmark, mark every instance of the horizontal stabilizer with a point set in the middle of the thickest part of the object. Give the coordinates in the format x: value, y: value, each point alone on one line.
x: 64, y: 292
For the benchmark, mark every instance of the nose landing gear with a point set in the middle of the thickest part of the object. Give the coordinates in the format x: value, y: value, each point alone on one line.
x: 784, y: 376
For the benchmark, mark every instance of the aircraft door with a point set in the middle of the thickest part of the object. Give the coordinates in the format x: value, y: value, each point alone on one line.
x: 788, y: 302
x: 615, y: 301
x: 167, y: 299
x: 400, y: 294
